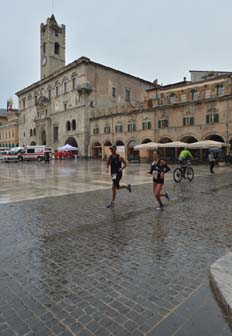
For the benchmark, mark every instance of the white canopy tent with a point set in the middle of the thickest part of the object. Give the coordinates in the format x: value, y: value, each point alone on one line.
x: 147, y: 146
x: 173, y: 144
x: 207, y: 144
x: 156, y: 145
x: 67, y: 148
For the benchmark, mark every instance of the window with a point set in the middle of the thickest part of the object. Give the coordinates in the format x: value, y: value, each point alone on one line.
x: 57, y: 91
x: 96, y: 130
x: 146, y: 124
x: 24, y: 103
x: 194, y: 95
x: 68, y: 126
x: 172, y: 98
x: 65, y: 106
x: 44, y: 48
x: 34, y: 132
x: 56, y: 48
x: 131, y: 126
x: 188, y: 121
x: 36, y: 99
x: 163, y: 123
x: 113, y: 92
x: 31, y: 150
x: 55, y: 134
x: 127, y: 95
x: 220, y: 90
x: 74, y: 83
x: 49, y: 94
x: 183, y: 98
x: 107, y: 129
x: 212, y: 118
x: 73, y: 124
x: 65, y: 87
x: 118, y: 128
x: 207, y: 94
x: 12, y: 134
x: 31, y: 132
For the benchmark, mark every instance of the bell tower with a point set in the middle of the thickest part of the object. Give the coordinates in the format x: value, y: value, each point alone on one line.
x: 52, y: 47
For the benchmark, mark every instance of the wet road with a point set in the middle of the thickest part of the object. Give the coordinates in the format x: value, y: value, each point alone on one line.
x: 69, y: 266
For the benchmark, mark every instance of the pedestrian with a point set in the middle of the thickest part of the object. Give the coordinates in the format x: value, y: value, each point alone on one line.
x: 158, y: 169
x: 117, y: 164
x: 46, y: 157
x: 211, y: 162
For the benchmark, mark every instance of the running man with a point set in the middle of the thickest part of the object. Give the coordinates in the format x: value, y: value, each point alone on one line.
x: 116, y: 164
x: 158, y: 169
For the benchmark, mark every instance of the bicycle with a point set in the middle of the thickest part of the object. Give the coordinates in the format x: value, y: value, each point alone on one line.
x: 184, y: 171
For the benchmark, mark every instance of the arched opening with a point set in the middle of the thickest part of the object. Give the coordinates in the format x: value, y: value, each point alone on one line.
x: 73, y: 124
x: 97, y: 150
x: 189, y: 139
x: 146, y: 141
x: 119, y: 143
x: 68, y: 125
x: 214, y: 137
x: 168, y: 153
x: 146, y: 155
x: 33, y: 143
x: 44, y: 138
x: 132, y: 155
x: 121, y: 148
x: 56, y: 48
x: 71, y: 141
x: 106, y: 149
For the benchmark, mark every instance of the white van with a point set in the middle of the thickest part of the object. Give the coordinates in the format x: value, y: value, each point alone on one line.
x: 28, y: 153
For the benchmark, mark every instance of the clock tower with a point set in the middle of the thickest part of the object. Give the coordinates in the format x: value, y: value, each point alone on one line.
x: 52, y: 47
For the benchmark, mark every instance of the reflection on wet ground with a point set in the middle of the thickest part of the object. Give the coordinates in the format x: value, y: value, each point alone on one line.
x: 32, y: 180
x: 69, y: 266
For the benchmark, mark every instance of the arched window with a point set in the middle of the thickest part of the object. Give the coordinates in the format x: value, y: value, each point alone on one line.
x: 31, y: 132
x: 68, y: 125
x: 56, y: 48
x: 73, y: 124
x: 65, y: 87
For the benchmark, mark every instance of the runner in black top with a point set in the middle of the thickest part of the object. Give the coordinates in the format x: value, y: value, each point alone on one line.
x: 115, y: 162
x: 158, y: 169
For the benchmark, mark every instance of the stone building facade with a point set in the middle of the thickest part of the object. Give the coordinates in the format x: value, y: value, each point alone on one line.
x: 187, y: 111
x: 57, y: 109
x: 9, y: 129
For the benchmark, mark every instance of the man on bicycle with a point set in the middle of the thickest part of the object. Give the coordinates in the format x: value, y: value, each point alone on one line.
x: 184, y: 156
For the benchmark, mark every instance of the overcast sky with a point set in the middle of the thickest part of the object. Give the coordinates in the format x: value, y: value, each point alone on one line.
x: 151, y: 39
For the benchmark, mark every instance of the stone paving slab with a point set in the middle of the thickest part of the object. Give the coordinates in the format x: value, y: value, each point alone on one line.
x: 221, y: 277
x: 69, y: 266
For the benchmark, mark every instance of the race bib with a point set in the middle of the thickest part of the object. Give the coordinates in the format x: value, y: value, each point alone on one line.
x: 114, y: 176
x: 155, y: 174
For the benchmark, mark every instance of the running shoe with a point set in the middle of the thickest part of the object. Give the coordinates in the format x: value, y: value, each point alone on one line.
x: 129, y: 187
x: 111, y: 205
x: 160, y: 208
x: 167, y: 196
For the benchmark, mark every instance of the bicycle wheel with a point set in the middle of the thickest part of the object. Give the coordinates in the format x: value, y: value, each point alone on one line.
x: 190, y: 173
x: 177, y: 175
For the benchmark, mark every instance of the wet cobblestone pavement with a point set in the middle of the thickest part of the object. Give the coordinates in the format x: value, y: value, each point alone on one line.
x: 69, y: 266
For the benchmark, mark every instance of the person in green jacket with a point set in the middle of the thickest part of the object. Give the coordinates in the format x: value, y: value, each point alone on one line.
x: 185, y: 154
